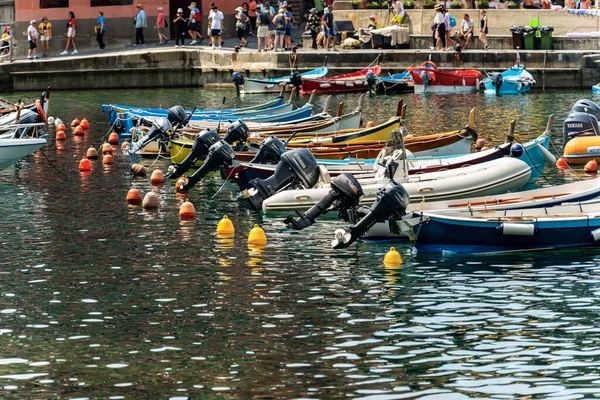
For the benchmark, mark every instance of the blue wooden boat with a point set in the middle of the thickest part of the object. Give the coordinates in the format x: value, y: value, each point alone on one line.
x: 596, y: 88
x: 494, y: 231
x: 512, y: 81
x: 252, y: 85
x: 396, y: 83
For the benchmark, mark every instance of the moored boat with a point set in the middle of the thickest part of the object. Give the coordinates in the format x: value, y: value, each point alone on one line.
x: 429, y: 79
x: 12, y: 150
x: 254, y: 85
x: 396, y: 83
x: 512, y: 81
x: 359, y: 81
x: 581, y: 133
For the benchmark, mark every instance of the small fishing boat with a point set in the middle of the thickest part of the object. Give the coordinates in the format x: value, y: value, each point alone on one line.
x: 429, y: 79
x: 494, y: 231
x: 396, y: 83
x: 581, y: 133
x: 253, y: 85
x: 359, y: 81
x: 12, y: 150
x: 596, y: 88
x: 512, y: 81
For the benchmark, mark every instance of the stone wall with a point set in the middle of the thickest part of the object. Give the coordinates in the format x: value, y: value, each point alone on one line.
x: 7, y: 12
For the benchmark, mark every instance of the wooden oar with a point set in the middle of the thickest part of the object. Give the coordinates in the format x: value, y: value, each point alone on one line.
x: 340, y: 109
x: 509, y: 200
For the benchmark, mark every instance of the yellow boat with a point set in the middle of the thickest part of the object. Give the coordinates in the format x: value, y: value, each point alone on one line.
x: 582, y: 149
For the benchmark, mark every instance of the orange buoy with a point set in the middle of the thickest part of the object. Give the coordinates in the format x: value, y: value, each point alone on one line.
x: 75, y: 122
x: 107, y: 159
x: 484, y: 148
x: 78, y: 131
x: 107, y: 148
x: 562, y: 163
x: 85, y: 165
x: 84, y: 124
x: 480, y: 143
x: 150, y: 200
x: 113, y: 138
x: 180, y: 184
x: 61, y: 135
x: 61, y: 127
x: 370, y: 124
x: 187, y: 211
x: 157, y: 177
x: 92, y: 153
x: 591, y: 166
x: 138, y: 169
x: 124, y: 145
x: 134, y: 196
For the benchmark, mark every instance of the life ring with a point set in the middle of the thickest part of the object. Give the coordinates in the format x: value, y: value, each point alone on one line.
x: 324, y: 85
x: 429, y: 64
x: 40, y: 109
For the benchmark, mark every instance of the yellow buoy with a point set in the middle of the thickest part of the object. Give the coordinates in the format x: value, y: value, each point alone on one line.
x: 392, y: 258
x: 257, y: 236
x: 225, y: 227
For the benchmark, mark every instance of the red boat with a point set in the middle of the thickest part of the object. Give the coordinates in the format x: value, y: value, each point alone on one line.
x: 429, y: 79
x: 354, y: 82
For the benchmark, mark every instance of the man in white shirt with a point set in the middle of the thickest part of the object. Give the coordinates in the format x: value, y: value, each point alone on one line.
x: 466, y: 31
x: 32, y: 36
x: 215, y: 19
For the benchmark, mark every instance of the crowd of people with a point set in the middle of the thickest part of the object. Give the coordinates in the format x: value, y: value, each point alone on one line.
x: 442, y: 26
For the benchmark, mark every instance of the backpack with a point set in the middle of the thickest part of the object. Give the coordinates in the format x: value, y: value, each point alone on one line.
x: 280, y: 23
x: 241, y: 25
x: 452, y: 21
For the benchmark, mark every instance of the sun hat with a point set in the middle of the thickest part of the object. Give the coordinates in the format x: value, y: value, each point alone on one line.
x: 160, y: 9
x: 192, y: 6
x: 313, y: 10
x: 438, y: 7
x: 140, y: 5
x: 239, y: 9
x: 32, y: 21
x: 371, y: 17
x: 280, y: 11
x: 180, y: 10
x: 6, y: 28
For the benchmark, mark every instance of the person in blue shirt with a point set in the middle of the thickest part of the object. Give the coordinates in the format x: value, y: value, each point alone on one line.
x: 140, y: 24
x: 100, y: 29
x: 289, y: 19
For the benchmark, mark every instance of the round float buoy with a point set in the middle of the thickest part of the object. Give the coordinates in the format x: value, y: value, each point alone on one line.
x: 85, y: 165
x: 157, y: 177
x: 562, y: 163
x: 113, y: 138
x: 107, y: 159
x: 225, y: 227
x: 61, y: 135
x: 257, y: 236
x: 370, y: 124
x: 107, y: 148
x: 591, y: 166
x: 92, y: 153
x: 150, y: 200
x: 84, y: 124
x: 78, y: 131
x: 480, y: 143
x: 61, y: 127
x: 138, y: 169
x: 134, y: 196
x: 392, y: 258
x: 187, y: 211
x: 75, y: 122
x: 124, y: 145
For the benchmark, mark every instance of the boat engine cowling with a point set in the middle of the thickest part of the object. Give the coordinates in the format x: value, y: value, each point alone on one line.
x: 579, y: 123
x: 586, y: 106
x: 344, y: 195
x: 296, y: 80
x: 297, y: 169
x: 497, y: 81
x: 371, y: 79
x: 237, y: 132
x: 391, y: 202
x: 158, y: 130
x: 238, y: 81
x: 204, y: 140
x: 220, y: 155
x: 269, y: 152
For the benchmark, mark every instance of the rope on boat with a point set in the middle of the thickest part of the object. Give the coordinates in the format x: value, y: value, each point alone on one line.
x: 223, y: 185
x: 577, y: 176
x: 533, y: 163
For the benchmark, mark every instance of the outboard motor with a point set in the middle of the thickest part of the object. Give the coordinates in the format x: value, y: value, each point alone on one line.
x: 161, y: 129
x: 344, y: 195
x: 579, y: 123
x: 296, y: 80
x: 199, y: 151
x: 269, y: 152
x: 297, y: 169
x: 237, y: 132
x: 392, y: 201
x: 177, y: 116
x: 371, y: 79
x: 586, y: 106
x: 238, y: 81
x: 220, y: 155
x: 497, y: 81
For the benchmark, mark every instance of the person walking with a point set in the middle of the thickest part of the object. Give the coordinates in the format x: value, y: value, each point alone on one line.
x: 215, y: 19
x: 439, y: 31
x: 194, y: 24
x: 241, y: 26
x: 32, y: 37
x: 484, y: 30
x: 100, y: 28
x: 70, y: 35
x: 313, y: 26
x: 161, y: 24
x: 448, y: 25
x: 329, y: 29
x: 262, y: 31
x: 45, y: 30
x: 140, y: 23
x: 180, y: 27
x: 279, y: 22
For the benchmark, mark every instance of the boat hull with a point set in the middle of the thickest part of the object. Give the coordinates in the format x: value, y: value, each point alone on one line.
x: 354, y: 82
x: 580, y: 150
x: 12, y: 150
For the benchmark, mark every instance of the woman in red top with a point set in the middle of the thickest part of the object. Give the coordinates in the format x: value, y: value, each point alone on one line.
x: 160, y: 26
x: 70, y: 35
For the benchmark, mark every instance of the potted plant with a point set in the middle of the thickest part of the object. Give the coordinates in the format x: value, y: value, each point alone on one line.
x: 428, y: 4
x: 512, y: 5
x: 483, y: 4
x: 372, y: 5
x: 408, y: 4
x: 457, y: 4
x: 384, y: 5
x: 354, y: 4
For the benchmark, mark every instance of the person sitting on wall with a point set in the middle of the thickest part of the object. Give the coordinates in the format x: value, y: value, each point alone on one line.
x: 5, y: 45
x: 466, y: 33
x: 373, y: 24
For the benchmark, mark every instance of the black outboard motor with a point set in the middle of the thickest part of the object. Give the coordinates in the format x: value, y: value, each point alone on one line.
x: 297, y: 169
x: 160, y: 129
x: 586, y: 106
x: 199, y: 151
x: 579, y: 123
x: 238, y: 81
x: 497, y: 81
x: 392, y: 201
x: 269, y: 152
x: 220, y: 155
x: 371, y: 79
x: 296, y: 80
x: 344, y: 195
x: 237, y: 132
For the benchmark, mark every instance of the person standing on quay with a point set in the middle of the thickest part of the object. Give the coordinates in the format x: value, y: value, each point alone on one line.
x: 329, y: 29
x: 215, y: 19
x: 313, y: 26
x: 100, y: 29
x: 32, y: 36
x: 194, y: 27
x: 45, y: 29
x: 180, y: 27
x: 140, y: 24
x: 160, y: 26
x: 263, y: 28
x: 484, y: 30
x: 70, y: 34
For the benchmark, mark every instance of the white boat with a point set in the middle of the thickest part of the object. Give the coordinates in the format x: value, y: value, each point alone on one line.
x: 253, y: 85
x: 12, y: 150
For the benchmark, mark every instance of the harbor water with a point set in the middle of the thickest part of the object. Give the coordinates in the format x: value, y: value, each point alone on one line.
x: 99, y: 299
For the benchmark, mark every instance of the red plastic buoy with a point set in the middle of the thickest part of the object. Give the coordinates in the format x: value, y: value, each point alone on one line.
x: 107, y: 159
x: 92, y: 153
x: 107, y: 148
x: 61, y: 135
x: 591, y: 166
x: 85, y: 165
x: 370, y: 124
x: 78, y: 131
x: 480, y: 143
x: 113, y: 138
x: 138, y: 169
x: 150, y: 200
x: 562, y: 163
x: 75, y: 122
x: 134, y: 196
x: 187, y: 211
x: 61, y: 127
x: 84, y: 124
x: 157, y: 177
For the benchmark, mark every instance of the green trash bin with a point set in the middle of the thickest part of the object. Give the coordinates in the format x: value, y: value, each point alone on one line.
x: 529, y: 37
x: 546, y: 37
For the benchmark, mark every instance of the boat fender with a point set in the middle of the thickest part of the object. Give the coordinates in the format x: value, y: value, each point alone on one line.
x: 549, y: 157
x: 358, y: 82
x: 350, y: 85
x: 324, y: 85
x: 340, y: 83
x: 516, y: 229
x: 595, y: 234
x: 464, y: 83
x: 269, y: 86
x: 519, y: 86
x: 477, y: 83
x: 517, y: 150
